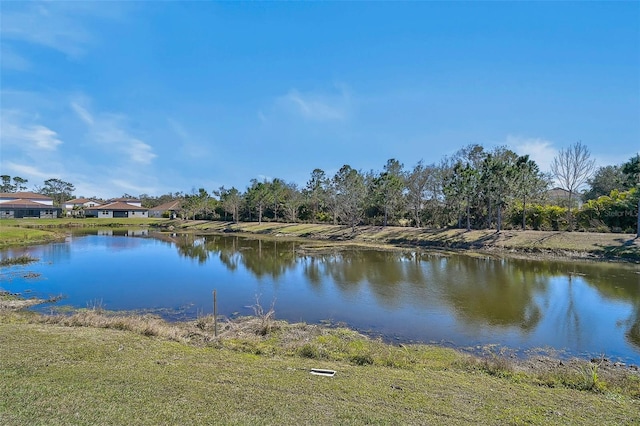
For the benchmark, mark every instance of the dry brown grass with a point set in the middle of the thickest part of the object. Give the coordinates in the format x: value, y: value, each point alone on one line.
x: 578, y: 245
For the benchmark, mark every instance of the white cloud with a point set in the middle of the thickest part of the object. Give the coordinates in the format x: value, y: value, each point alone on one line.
x: 316, y: 106
x: 10, y: 60
x: 190, y: 146
x: 130, y: 188
x: 82, y: 113
x: 111, y: 133
x: 62, y: 26
x: 39, y: 24
x: 28, y: 172
x: 26, y: 136
x: 140, y: 152
x: 540, y: 150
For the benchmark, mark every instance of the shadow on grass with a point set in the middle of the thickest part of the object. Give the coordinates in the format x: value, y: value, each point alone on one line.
x: 628, y: 250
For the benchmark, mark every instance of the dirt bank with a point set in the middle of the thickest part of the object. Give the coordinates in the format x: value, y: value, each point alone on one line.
x: 573, y: 245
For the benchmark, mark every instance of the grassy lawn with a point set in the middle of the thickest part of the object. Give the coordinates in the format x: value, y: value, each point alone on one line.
x: 11, y: 236
x: 53, y: 374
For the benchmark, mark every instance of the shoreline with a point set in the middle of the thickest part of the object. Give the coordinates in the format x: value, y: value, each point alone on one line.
x: 600, y: 247
x: 261, y: 325
x: 93, y: 360
x: 264, y: 336
x: 513, y: 243
x: 329, y: 237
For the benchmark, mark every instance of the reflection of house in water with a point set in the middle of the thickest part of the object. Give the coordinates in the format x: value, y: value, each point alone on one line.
x: 123, y: 232
x: 171, y: 238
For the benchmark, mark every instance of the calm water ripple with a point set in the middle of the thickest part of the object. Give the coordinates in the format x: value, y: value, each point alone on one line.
x: 584, y: 309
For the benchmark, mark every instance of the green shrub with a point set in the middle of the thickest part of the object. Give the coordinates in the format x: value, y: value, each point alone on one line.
x: 309, y: 350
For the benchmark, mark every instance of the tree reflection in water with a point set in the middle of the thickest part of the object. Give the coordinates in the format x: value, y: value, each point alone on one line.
x: 482, y: 291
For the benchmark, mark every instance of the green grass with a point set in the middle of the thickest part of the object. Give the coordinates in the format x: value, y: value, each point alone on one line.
x: 100, y: 367
x: 51, y: 374
x: 540, y: 243
x: 13, y: 236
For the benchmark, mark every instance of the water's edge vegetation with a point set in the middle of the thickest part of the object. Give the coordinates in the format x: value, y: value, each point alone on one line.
x: 50, y: 362
x: 572, y: 245
x: 542, y: 244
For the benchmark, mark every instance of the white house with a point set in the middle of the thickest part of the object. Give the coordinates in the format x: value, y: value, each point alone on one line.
x: 117, y: 209
x: 18, y: 205
x: 77, y: 206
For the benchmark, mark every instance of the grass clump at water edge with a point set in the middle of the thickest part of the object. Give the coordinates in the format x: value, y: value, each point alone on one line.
x: 18, y: 260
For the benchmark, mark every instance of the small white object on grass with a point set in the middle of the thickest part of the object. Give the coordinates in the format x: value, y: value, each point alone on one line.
x: 322, y: 372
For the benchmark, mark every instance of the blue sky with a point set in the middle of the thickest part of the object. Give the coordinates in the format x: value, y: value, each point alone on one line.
x: 157, y: 97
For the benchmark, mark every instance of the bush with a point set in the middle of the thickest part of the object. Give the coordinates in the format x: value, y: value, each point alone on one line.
x: 311, y: 351
x: 539, y: 217
x: 616, y: 212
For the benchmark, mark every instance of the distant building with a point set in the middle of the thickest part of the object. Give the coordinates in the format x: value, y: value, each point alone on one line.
x: 77, y: 206
x: 18, y: 205
x: 560, y: 197
x: 169, y: 209
x: 132, y: 201
x: 117, y: 209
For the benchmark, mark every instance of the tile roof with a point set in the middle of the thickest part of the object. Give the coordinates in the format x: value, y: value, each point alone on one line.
x: 24, y: 195
x: 171, y: 205
x: 135, y: 200
x: 25, y: 204
x: 118, y: 206
x: 81, y: 201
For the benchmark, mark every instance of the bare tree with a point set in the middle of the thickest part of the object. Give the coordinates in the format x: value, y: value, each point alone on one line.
x: 572, y: 168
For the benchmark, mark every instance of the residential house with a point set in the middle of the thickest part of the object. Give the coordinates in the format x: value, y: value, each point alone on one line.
x: 169, y: 209
x: 18, y: 205
x: 559, y: 196
x: 117, y: 209
x: 132, y: 201
x: 77, y: 206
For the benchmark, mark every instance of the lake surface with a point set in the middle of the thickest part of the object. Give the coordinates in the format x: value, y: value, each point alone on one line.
x: 582, y: 309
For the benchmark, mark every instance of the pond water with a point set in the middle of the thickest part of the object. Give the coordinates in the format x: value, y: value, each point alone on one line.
x: 581, y: 309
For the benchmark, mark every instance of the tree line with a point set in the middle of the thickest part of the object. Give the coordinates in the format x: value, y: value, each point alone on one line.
x: 475, y: 188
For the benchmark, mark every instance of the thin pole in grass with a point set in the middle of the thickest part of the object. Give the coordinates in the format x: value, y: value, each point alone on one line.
x: 215, y: 314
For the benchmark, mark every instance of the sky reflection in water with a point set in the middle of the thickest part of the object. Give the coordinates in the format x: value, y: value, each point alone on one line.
x: 584, y: 309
